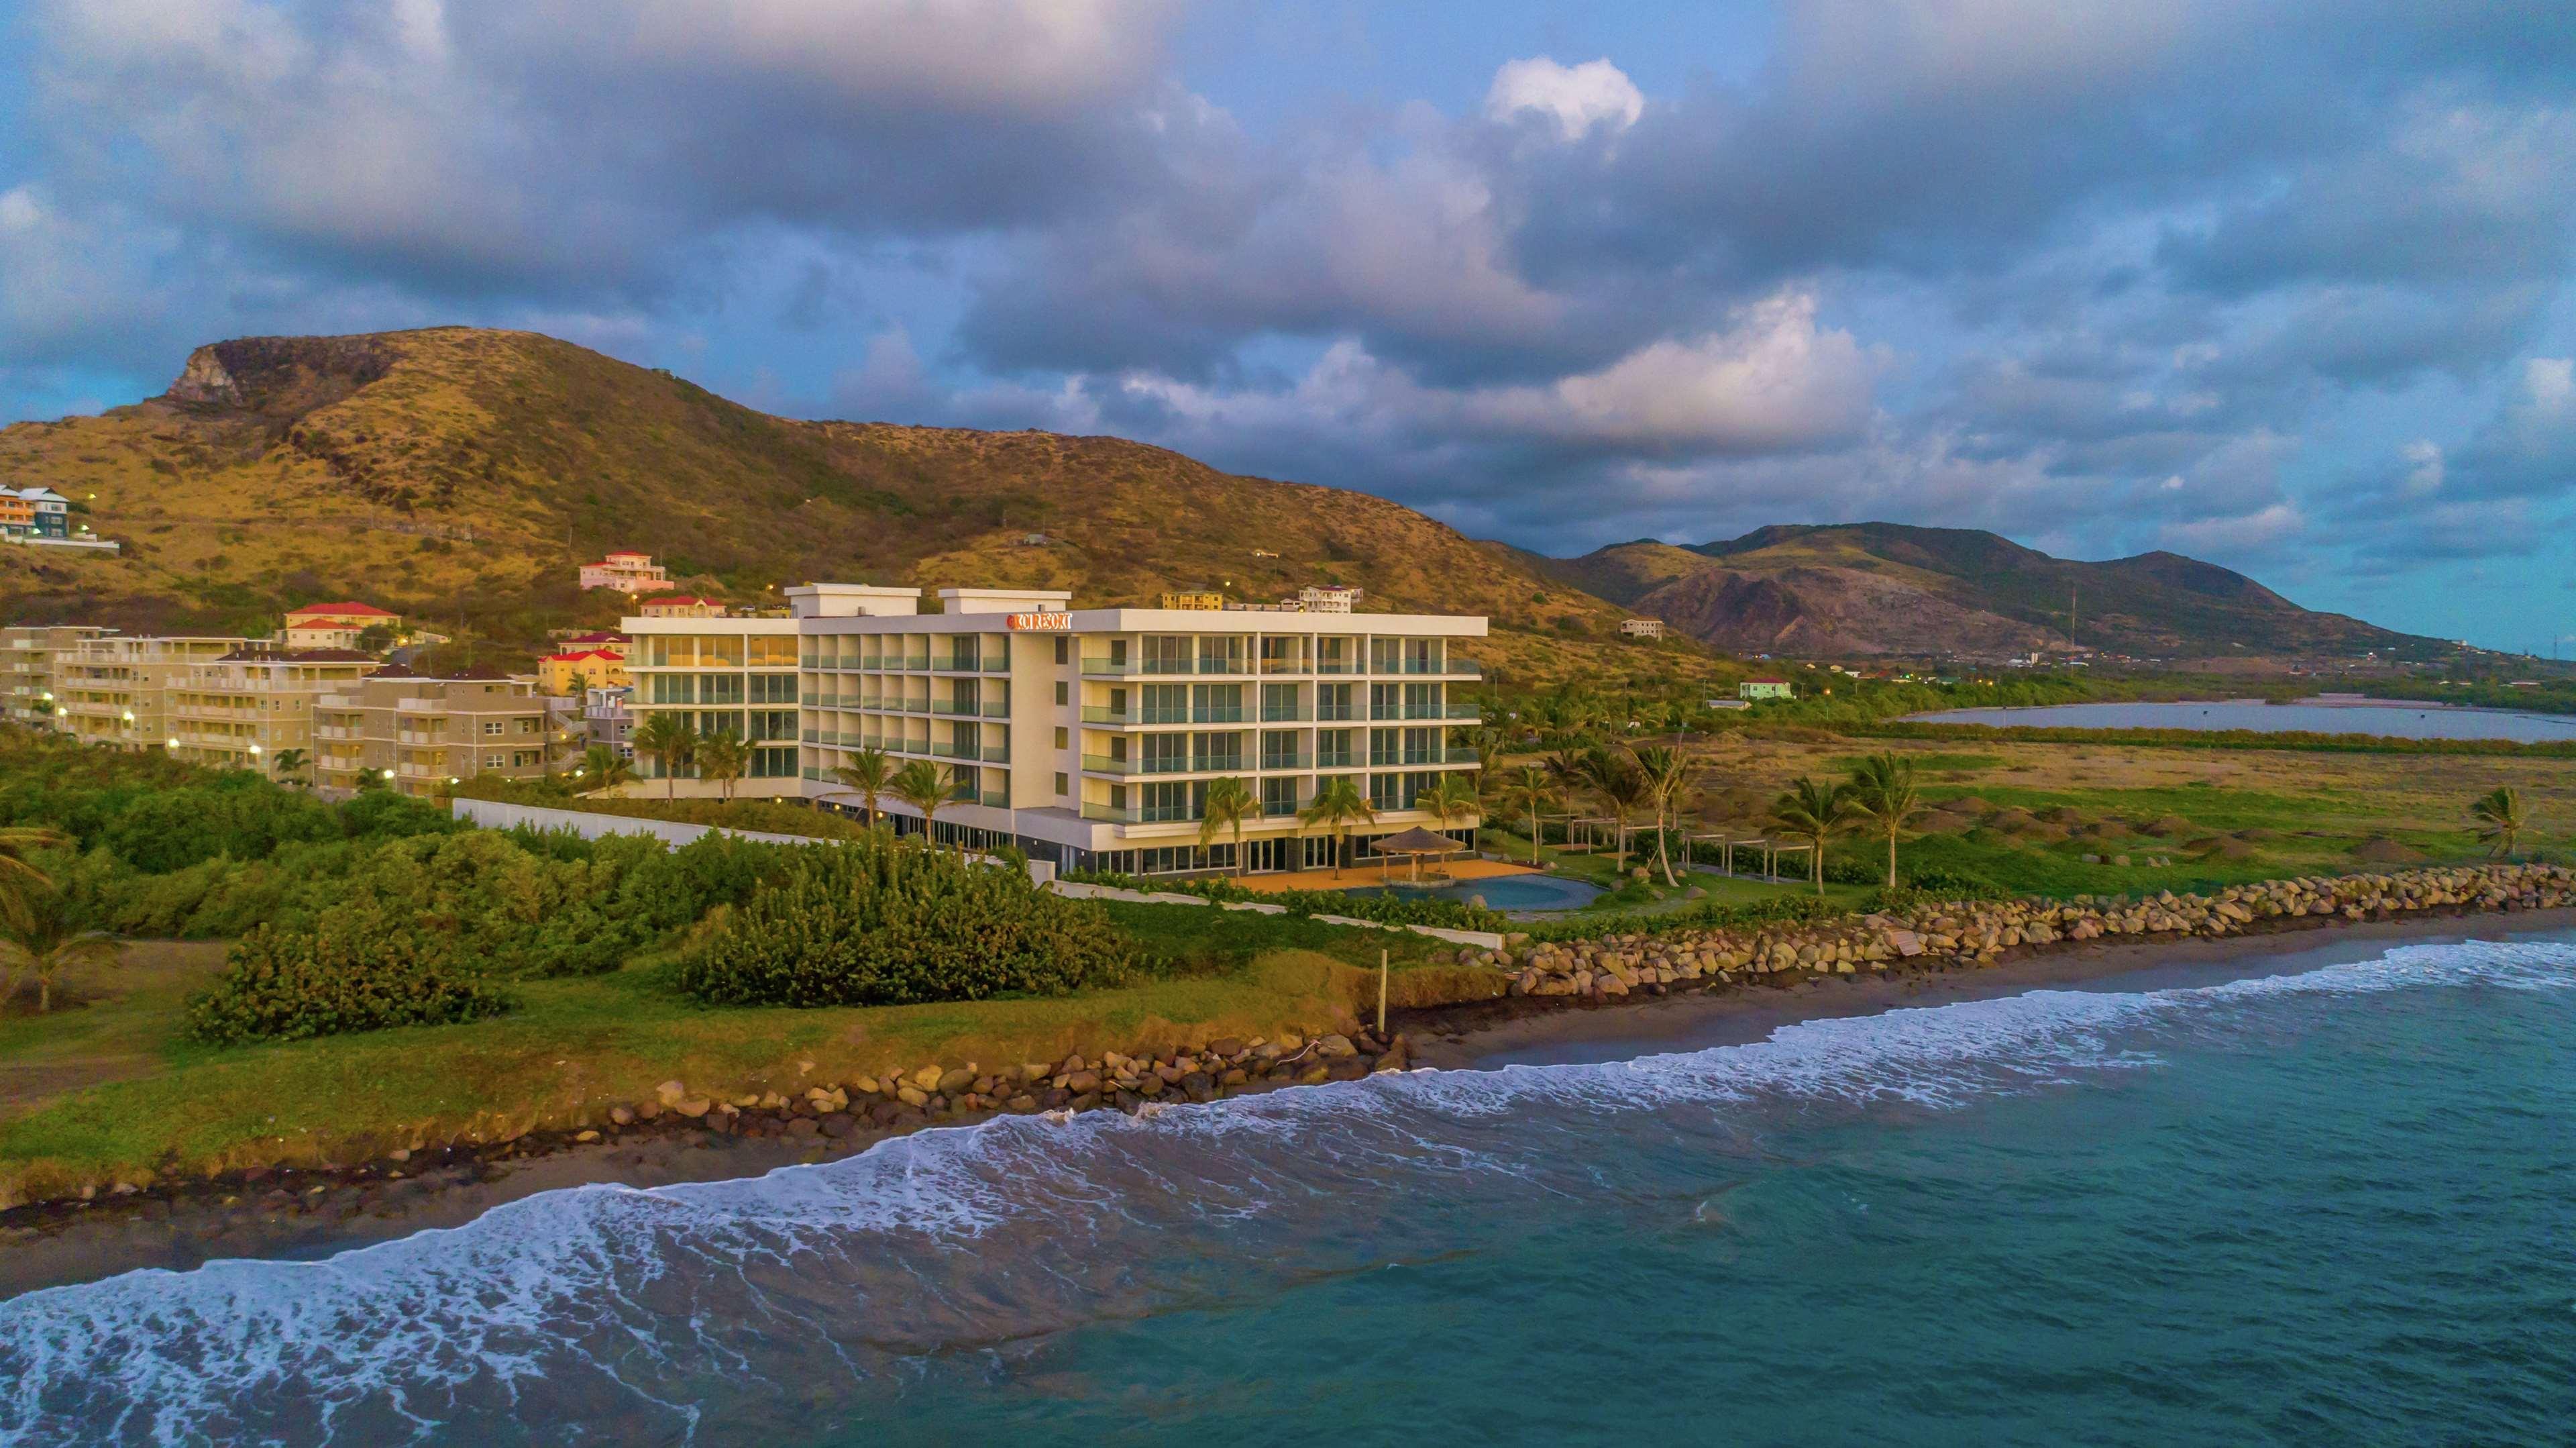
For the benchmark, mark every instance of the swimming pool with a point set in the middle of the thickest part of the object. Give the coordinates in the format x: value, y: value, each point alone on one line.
x: 1505, y: 892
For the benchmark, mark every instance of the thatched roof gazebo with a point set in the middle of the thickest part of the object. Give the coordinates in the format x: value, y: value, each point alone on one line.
x: 1417, y: 842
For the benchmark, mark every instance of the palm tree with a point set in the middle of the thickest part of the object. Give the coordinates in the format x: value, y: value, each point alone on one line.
x: 672, y: 741
x: 289, y: 765
x: 1488, y: 741
x: 1539, y: 784
x: 1338, y: 805
x: 1449, y: 797
x: 866, y: 775
x: 1882, y: 791
x: 1615, y: 777
x: 19, y: 880
x: 1230, y: 805
x: 920, y: 785
x: 723, y: 758
x: 46, y: 944
x: 604, y: 768
x: 2500, y: 818
x: 1815, y: 812
x: 1666, y: 772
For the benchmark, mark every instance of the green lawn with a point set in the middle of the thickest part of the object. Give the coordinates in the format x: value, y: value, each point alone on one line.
x: 572, y: 1048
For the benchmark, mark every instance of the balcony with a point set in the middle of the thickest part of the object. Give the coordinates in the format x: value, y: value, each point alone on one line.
x: 1216, y: 764
x: 1464, y: 711
x: 1287, y: 666
x: 1339, y: 666
x: 1383, y: 758
x: 1275, y: 762
x: 1103, y: 764
x: 966, y: 707
x: 1336, y: 759
x: 1113, y: 814
x: 1284, y: 713
x: 1218, y: 714
x: 1336, y: 713
x: 1097, y: 714
x: 1465, y: 668
x: 1110, y: 668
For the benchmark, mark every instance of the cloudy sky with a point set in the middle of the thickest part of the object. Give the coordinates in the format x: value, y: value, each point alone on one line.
x: 2281, y: 285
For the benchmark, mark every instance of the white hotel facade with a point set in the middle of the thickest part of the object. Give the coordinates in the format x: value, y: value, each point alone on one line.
x: 1083, y: 736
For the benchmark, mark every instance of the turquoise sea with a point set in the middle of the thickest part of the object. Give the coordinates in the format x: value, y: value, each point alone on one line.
x: 2332, y: 1206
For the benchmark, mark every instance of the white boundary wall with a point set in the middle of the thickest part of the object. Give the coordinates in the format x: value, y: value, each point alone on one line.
x: 494, y: 814
x: 1486, y: 939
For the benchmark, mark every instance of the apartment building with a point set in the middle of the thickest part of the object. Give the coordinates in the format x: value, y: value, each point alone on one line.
x: 35, y: 513
x: 240, y: 711
x: 421, y: 732
x: 27, y: 654
x: 1085, y: 737
x: 117, y: 691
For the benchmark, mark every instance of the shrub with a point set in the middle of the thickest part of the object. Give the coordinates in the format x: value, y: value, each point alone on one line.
x: 1386, y: 909
x: 882, y: 923
x: 356, y: 968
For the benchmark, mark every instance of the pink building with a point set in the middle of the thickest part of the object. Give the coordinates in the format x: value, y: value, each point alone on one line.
x: 626, y: 571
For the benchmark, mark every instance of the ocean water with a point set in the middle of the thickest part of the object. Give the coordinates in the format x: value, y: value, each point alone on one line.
x: 2337, y: 1206
x: 2393, y: 721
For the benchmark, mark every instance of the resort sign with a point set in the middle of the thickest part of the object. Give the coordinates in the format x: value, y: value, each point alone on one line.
x: 1042, y: 622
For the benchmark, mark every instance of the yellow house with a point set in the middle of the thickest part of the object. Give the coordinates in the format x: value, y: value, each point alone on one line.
x: 599, y: 668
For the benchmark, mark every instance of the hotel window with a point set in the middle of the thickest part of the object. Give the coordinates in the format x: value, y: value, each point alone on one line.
x: 528, y: 726
x: 1061, y: 696
x: 719, y: 688
x: 1279, y: 702
x: 1278, y: 796
x: 1063, y: 786
x: 492, y: 726
x: 1216, y: 751
x: 773, y: 724
x: 1166, y: 802
x: 665, y: 652
x: 1166, y: 753
x: 720, y: 650
x: 773, y: 651
x: 773, y: 763
x: 1422, y: 701
x: 1063, y: 737
x: 1217, y: 703
x: 673, y: 689
x: 496, y: 761
x: 773, y: 688
x: 1167, y: 654
x: 1333, y: 749
x: 1386, y: 701
x: 1385, y: 790
x: 1063, y: 653
x: 1333, y: 701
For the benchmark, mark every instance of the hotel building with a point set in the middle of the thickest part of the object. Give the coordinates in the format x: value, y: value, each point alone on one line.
x: 1086, y: 737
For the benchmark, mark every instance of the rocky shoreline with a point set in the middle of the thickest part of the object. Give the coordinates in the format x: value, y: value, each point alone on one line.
x: 688, y: 1133
x: 1976, y: 933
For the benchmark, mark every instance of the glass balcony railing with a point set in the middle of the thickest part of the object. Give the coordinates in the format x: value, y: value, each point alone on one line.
x: 1218, y: 714
x: 1337, y: 759
x: 1329, y: 713
x: 996, y: 799
x: 967, y: 707
x: 1287, y: 666
x: 1110, y: 668
x: 1287, y: 761
x: 1098, y: 714
x: 1114, y: 814
x: 1463, y: 711
x: 1103, y: 764
x: 1382, y: 758
x: 1467, y: 667
x: 1283, y: 713
x: 1338, y: 666
x: 1216, y: 764
x: 996, y: 709
x: 1166, y: 716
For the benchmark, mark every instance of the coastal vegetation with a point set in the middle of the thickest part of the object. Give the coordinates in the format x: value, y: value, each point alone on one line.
x: 885, y: 922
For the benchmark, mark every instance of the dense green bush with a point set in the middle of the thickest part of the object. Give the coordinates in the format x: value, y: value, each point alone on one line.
x: 882, y: 923
x: 355, y: 968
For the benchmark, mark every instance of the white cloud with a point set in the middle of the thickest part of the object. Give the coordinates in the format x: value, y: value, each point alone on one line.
x: 2236, y: 536
x: 1772, y: 383
x: 2551, y: 382
x: 2424, y: 475
x: 1576, y: 97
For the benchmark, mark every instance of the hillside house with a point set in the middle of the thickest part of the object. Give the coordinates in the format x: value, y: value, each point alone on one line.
x: 627, y: 571
x: 1642, y: 628
x: 335, y: 625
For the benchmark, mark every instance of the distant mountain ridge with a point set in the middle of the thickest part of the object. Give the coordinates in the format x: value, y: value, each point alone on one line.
x: 1858, y: 589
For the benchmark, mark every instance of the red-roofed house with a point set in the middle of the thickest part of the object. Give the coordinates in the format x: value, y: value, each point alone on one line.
x: 683, y: 606
x: 334, y: 625
x: 627, y: 571
x: 596, y: 668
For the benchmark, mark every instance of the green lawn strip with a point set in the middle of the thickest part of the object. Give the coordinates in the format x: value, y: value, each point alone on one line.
x: 572, y: 1048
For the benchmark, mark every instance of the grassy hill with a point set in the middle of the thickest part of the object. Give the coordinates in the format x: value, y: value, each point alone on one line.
x: 461, y: 474
x: 1886, y: 588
